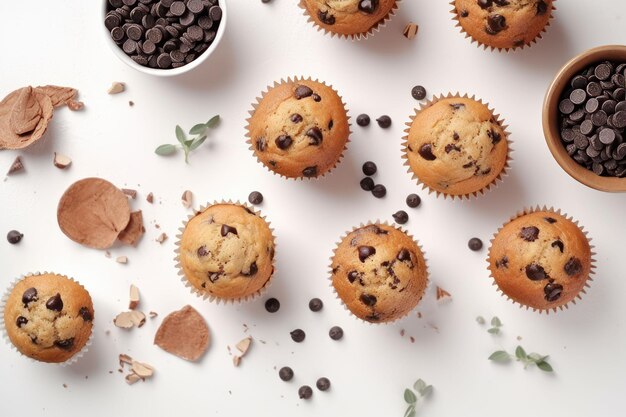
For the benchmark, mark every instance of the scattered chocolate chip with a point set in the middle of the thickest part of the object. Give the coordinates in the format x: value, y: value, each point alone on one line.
x: 369, y: 168
x: 29, y: 296
x: 535, y: 272
x: 335, y: 333
x: 475, y: 244
x: 283, y: 142
x: 66, y: 344
x: 558, y: 244
x: 202, y: 251
x: 272, y: 305
x: 400, y: 217
x: 529, y: 234
x: 21, y: 321
x: 315, y: 136
x: 55, y: 303
x: 14, y: 237
x: 326, y: 18
x: 495, y: 24
x: 367, y: 184
x: 363, y: 120
x: 302, y: 91
x: 85, y: 314
x: 316, y: 304
x: 384, y: 121
x: 413, y: 200
x: 255, y: 198
x: 379, y: 191
x: 426, y: 152
x: 368, y: 299
x: 365, y: 252
x: 310, y: 171
x: 552, y: 291
x: 404, y: 255
x: 297, y: 335
x: 305, y: 392
x: 573, y: 267
x: 503, y: 262
x: 323, y: 384
x: 418, y: 92
x: 285, y: 373
x: 226, y: 229
x: 295, y: 118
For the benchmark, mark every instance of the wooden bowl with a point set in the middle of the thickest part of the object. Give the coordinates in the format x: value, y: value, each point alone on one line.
x: 551, y: 117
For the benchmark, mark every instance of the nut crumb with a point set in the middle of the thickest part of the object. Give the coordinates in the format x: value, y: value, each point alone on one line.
x: 130, y: 192
x: 131, y: 103
x: 441, y: 293
x: 134, y: 297
x: 16, y: 166
x: 129, y: 319
x: 150, y: 198
x: 244, y: 345
x: 187, y: 199
x: 410, y: 30
x: 107, y: 254
x: 75, y: 105
x: 152, y: 314
x: 412, y: 339
x: 61, y: 161
x: 236, y: 360
x: 402, y: 332
x: 162, y: 238
x: 116, y: 88
x: 121, y: 259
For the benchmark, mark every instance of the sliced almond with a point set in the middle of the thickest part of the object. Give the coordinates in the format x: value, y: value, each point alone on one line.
x: 129, y: 319
x: 187, y: 199
x: 441, y: 293
x: 150, y: 198
x: 116, y: 88
x: 125, y: 359
x: 16, y: 166
x: 410, y: 31
x: 236, y: 360
x: 75, y: 105
x: 132, y: 378
x: 130, y: 192
x: 62, y: 161
x: 162, y: 238
x: 121, y: 259
x: 244, y: 345
x: 143, y: 370
x: 134, y: 297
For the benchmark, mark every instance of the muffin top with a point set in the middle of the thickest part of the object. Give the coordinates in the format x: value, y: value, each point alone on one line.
x: 227, y: 251
x: 299, y: 129
x: 348, y: 17
x: 48, y: 317
x: 541, y: 260
x: 503, y: 23
x: 379, y: 272
x: 456, y: 146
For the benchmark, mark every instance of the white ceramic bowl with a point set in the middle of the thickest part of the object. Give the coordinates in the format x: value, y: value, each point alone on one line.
x: 157, y: 71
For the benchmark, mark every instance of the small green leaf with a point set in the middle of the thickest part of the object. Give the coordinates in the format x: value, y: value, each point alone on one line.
x: 494, y: 330
x: 419, y: 385
x: 180, y: 135
x: 520, y: 353
x: 198, y: 129
x: 480, y: 320
x: 428, y: 389
x: 495, y: 322
x: 410, y: 411
x: 536, y: 358
x: 500, y: 356
x: 544, y: 366
x: 409, y: 396
x: 213, y: 121
x: 165, y: 150
x: 188, y: 143
x: 195, y: 144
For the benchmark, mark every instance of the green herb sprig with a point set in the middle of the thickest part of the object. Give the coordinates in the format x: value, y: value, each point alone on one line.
x: 541, y: 361
x: 422, y: 390
x: 200, y: 131
x: 495, y: 325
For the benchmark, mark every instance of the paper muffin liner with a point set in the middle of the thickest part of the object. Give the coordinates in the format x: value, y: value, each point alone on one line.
x: 356, y: 36
x: 258, y: 100
x: 496, y: 117
x: 479, y: 44
x: 592, y: 265
x: 330, y: 271
x: 5, y: 334
x: 205, y: 294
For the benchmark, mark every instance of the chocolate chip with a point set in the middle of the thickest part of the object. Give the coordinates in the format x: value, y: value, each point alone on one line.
x: 29, y: 296
x: 413, y: 200
x: 495, y: 24
x: 529, y: 234
x: 379, y: 191
x: 384, y: 121
x: 451, y: 147
x: 295, y: 118
x: 14, y: 237
x: 335, y: 333
x: 21, y: 321
x: 66, y: 344
x: 426, y: 152
x: 578, y: 96
x: 418, y: 92
x: 558, y: 244
x: 535, y: 272
x: 316, y: 304
x: 55, y: 303
x: 367, y: 184
x: 226, y: 229
x: 368, y: 6
x: 485, y: 4
x: 404, y: 255
x: 365, y: 252
x: 310, y: 171
x: 363, y: 120
x: 283, y: 141
x: 202, y: 251
x: 475, y: 244
x: 552, y: 291
x: 255, y: 198
x: 464, y: 13
x: 325, y: 17
x: 285, y: 373
x: 215, y: 13
x: 178, y: 8
x: 573, y: 267
x: 542, y: 7
x: 368, y: 299
x: 503, y: 262
x: 352, y: 276
x: 323, y: 384
x: 305, y: 392
x: 302, y: 91
x: 272, y: 305
x: 261, y: 144
x: 400, y: 217
x: 85, y: 314
x: 315, y: 136
x: 566, y: 106
x: 252, y: 270
x: 550, y: 220
x: 297, y: 335
x: 369, y: 168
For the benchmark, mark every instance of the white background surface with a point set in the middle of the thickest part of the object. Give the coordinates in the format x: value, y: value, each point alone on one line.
x: 61, y: 43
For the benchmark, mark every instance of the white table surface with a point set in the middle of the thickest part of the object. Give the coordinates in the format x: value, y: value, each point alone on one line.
x: 44, y: 42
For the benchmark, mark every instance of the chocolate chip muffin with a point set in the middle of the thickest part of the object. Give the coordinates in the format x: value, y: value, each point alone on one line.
x: 48, y: 317
x: 503, y: 24
x: 541, y: 260
x: 354, y: 18
x: 379, y: 272
x: 227, y: 252
x: 299, y: 129
x: 455, y: 146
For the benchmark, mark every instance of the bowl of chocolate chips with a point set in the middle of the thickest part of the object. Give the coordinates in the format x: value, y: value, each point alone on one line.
x: 164, y: 37
x: 584, y: 118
